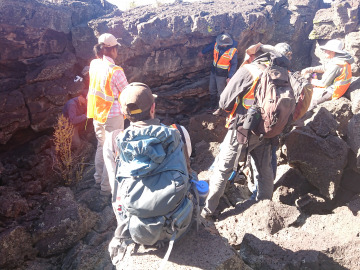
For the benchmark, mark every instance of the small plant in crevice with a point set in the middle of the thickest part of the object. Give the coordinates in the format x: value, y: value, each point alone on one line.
x: 67, y: 163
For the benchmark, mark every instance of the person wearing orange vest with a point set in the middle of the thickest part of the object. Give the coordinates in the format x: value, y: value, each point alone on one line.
x: 223, y: 68
x: 107, y: 80
x: 237, y: 97
x: 336, y: 77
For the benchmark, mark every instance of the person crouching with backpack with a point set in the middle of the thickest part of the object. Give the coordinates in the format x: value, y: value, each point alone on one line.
x: 152, y: 187
x: 237, y: 98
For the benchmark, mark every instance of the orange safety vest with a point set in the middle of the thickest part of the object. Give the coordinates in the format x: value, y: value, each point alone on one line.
x: 342, y: 82
x: 249, y: 97
x: 224, y: 61
x: 100, y: 97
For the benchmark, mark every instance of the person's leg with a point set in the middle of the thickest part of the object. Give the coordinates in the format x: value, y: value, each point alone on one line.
x: 121, y: 239
x: 222, y: 171
x: 255, y: 176
x: 261, y: 155
x: 220, y: 84
x: 274, y: 159
x: 212, y: 92
x: 76, y: 142
x: 319, y: 96
x: 110, y: 125
x: 99, y: 160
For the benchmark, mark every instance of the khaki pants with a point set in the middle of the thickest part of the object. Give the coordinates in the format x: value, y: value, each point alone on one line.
x: 101, y: 131
x: 260, y: 151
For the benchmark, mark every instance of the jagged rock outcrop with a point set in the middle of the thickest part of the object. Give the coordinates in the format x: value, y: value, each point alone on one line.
x: 38, y: 62
x: 340, y: 21
x: 318, y: 153
x: 43, y: 226
x: 160, y: 47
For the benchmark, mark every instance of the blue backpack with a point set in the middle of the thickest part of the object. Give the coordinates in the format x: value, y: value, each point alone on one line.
x: 154, y: 184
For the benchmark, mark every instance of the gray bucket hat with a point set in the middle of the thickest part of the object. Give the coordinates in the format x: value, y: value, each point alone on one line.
x: 333, y: 45
x: 224, y: 40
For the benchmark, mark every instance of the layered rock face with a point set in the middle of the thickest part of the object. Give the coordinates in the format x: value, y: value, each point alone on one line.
x: 340, y: 21
x: 38, y: 61
x: 46, y: 43
x: 44, y: 226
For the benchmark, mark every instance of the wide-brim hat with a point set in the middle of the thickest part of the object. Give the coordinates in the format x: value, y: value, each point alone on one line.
x: 224, y: 40
x: 333, y: 45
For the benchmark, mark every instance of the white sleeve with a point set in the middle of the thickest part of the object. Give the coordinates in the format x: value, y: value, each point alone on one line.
x: 187, y: 139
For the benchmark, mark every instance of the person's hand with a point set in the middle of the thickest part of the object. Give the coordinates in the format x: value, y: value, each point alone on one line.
x: 253, y: 49
x: 304, y: 72
x: 227, y: 80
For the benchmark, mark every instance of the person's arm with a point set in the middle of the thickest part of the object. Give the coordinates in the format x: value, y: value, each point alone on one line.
x: 73, y: 117
x: 118, y: 82
x: 241, y: 81
x: 208, y: 48
x: 328, y: 77
x: 233, y: 65
x: 317, y: 69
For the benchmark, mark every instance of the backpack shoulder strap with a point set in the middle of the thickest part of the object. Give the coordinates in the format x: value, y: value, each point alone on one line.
x: 178, y: 127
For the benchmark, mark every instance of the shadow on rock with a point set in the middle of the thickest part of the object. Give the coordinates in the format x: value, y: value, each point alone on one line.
x: 261, y: 254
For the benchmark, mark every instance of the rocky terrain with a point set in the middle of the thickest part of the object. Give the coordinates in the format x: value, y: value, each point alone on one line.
x: 312, y: 221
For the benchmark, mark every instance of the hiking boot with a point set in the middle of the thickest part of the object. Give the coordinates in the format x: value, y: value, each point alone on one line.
x: 217, y: 112
x: 205, y: 213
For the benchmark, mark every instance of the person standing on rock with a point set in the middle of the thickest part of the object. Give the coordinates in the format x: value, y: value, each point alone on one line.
x: 107, y: 80
x: 336, y: 77
x: 242, y: 85
x: 223, y: 68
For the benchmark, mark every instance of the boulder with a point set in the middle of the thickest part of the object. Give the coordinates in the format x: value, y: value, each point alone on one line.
x: 353, y: 138
x: 63, y: 223
x: 353, y: 93
x: 12, y: 204
x: 290, y: 185
x: 333, y: 22
x: 84, y: 256
x: 322, y: 123
x: 13, y: 114
x: 352, y: 40
x: 320, y: 160
x: 16, y: 246
x: 341, y: 111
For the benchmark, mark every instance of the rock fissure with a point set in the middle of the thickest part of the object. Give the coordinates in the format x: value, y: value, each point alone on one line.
x: 312, y: 221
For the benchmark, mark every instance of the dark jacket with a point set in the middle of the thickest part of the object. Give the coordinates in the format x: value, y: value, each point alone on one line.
x: 233, y: 63
x: 74, y: 111
x: 243, y: 80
